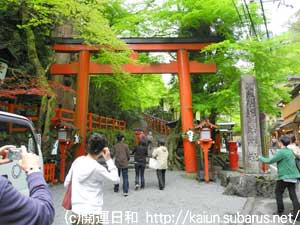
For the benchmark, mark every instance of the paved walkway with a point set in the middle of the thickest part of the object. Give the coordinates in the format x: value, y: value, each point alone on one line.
x: 267, y: 206
x: 184, y: 201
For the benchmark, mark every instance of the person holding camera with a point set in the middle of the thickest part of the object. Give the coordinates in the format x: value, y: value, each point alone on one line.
x: 17, y: 209
x: 87, y: 179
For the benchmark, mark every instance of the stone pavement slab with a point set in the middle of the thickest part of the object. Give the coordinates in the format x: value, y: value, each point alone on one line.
x: 184, y: 201
x: 267, y: 206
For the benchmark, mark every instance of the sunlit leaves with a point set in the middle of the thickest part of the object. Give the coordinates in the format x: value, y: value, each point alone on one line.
x: 270, y: 61
x: 132, y: 91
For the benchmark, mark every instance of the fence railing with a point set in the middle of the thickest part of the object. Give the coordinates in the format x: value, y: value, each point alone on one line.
x: 157, y: 124
x: 65, y: 115
x: 49, y: 172
x: 97, y: 121
x: 61, y: 115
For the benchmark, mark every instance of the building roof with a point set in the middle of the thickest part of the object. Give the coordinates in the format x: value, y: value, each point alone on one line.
x: 150, y: 40
x: 295, y: 78
x: 294, y: 120
x: 226, y: 124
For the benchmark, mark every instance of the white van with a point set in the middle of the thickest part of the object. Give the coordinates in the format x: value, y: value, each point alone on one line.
x: 18, y: 130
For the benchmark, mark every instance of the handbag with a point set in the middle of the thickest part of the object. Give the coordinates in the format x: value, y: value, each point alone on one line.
x: 153, y: 163
x: 67, y: 201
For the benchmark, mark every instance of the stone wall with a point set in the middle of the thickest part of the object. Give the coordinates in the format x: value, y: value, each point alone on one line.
x: 247, y: 185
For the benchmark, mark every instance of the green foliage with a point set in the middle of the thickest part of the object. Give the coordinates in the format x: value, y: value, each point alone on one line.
x: 111, y: 136
x: 130, y: 91
x: 101, y: 22
x: 122, y: 91
x: 221, y: 16
x: 270, y: 61
x: 87, y: 17
x: 187, y: 18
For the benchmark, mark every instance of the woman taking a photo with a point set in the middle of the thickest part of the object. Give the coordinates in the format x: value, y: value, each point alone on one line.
x: 87, y: 177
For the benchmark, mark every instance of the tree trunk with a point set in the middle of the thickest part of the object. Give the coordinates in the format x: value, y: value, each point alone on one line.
x: 45, y: 107
x: 49, y: 114
x: 66, y: 99
x: 213, y: 116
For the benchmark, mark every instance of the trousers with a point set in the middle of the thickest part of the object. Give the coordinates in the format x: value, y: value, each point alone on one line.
x: 124, y: 172
x: 139, y: 175
x: 279, y: 190
x: 161, y: 176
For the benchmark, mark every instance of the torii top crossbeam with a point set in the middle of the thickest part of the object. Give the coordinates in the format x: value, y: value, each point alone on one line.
x: 137, y: 45
x: 182, y: 66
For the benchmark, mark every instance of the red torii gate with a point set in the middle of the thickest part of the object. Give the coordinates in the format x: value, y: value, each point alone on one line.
x: 183, y: 67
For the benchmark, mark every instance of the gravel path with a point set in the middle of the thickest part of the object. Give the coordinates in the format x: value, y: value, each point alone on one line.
x: 184, y: 201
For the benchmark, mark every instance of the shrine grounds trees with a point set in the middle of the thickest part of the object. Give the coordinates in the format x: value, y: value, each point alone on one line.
x: 246, y: 49
x: 27, y: 26
x: 31, y: 22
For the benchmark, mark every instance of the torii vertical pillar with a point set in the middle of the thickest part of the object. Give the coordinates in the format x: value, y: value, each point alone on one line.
x: 82, y: 95
x: 186, y: 109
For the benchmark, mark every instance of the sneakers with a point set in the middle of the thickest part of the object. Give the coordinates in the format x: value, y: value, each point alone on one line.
x: 116, y: 188
x: 125, y: 194
x: 136, y: 187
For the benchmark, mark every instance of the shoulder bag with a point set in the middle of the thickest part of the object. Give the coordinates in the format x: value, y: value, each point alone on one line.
x: 67, y: 201
x: 153, y: 163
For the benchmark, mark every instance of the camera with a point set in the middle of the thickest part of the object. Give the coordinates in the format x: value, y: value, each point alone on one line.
x: 14, y: 154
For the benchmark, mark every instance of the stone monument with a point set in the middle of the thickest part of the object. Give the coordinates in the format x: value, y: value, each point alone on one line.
x: 251, y: 137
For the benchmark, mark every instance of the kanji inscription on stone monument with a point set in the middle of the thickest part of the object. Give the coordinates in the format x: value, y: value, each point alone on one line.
x: 250, y: 124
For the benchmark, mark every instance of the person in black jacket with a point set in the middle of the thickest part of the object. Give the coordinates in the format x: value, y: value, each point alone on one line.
x: 140, y: 154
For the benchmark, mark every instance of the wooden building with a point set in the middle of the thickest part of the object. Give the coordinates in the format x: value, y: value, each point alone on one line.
x: 290, y: 112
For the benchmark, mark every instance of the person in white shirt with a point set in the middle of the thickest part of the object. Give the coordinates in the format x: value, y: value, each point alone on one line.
x: 294, y: 147
x: 87, y: 177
